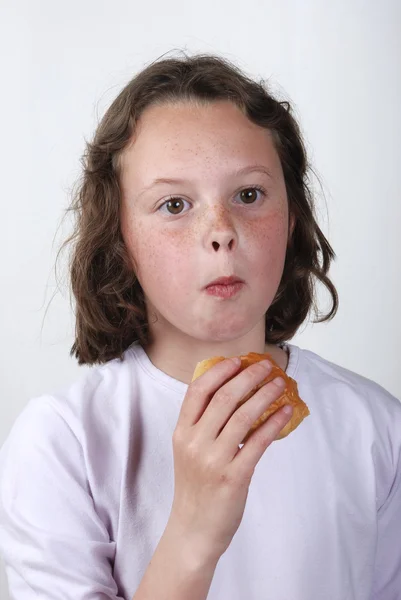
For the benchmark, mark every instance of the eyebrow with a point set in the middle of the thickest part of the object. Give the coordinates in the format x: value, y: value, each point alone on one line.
x: 243, y: 171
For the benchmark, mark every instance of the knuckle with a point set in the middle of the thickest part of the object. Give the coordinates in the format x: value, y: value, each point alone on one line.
x: 266, y: 437
x: 277, y: 421
x: 197, y: 386
x: 244, y: 418
x: 265, y: 441
x: 223, y: 397
x: 213, y: 470
x: 192, y: 449
x: 248, y: 377
x: 182, y: 437
x: 278, y: 383
x: 177, y: 433
x: 269, y: 392
x: 259, y: 368
x: 272, y: 390
x: 208, y: 465
x: 255, y: 370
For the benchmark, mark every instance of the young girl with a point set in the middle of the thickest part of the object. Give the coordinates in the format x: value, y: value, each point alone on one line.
x: 132, y: 482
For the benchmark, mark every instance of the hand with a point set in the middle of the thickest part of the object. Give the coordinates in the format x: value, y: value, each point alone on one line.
x: 212, y: 473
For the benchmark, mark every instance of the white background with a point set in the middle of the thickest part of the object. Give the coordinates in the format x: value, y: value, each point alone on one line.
x: 62, y: 63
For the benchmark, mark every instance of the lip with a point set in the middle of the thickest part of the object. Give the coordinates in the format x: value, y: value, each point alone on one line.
x: 224, y: 291
x: 225, y: 281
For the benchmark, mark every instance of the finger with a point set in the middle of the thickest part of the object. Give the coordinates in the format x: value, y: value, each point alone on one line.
x: 224, y: 403
x: 244, y: 417
x: 203, y: 389
x: 249, y: 455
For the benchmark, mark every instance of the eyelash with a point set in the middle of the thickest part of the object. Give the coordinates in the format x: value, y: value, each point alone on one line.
x: 259, y: 188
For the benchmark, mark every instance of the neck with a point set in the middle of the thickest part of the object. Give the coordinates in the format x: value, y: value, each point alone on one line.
x: 180, y: 363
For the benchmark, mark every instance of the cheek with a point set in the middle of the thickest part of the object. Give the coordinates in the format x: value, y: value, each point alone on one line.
x: 159, y: 257
x: 265, y: 240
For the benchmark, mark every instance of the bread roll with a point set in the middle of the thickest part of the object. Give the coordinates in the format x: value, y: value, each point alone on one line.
x: 289, y: 395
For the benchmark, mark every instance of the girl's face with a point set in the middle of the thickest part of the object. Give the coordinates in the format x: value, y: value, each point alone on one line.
x: 208, y: 221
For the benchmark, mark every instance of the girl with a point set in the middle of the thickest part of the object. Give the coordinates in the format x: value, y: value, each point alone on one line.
x: 132, y: 482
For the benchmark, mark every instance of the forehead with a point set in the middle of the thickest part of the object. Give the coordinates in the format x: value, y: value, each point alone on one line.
x: 184, y: 136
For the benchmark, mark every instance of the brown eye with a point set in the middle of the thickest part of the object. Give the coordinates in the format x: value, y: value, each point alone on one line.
x: 249, y: 195
x: 174, y: 205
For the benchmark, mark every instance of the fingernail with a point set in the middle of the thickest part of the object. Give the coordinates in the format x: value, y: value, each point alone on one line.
x: 265, y: 363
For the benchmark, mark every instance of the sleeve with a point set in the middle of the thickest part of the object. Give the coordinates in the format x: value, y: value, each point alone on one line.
x: 54, y: 545
x: 387, y: 572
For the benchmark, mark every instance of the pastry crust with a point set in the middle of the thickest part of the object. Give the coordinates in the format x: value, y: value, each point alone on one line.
x: 289, y: 396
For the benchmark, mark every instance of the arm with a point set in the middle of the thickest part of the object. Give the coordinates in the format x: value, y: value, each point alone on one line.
x: 52, y: 540
x: 387, y: 572
x: 175, y: 571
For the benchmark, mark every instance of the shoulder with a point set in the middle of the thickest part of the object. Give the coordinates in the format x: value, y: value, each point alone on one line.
x: 74, y: 437
x: 336, y: 380
x: 87, y: 408
x: 348, y: 406
x: 353, y: 414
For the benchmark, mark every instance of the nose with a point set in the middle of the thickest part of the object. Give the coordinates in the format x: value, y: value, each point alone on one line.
x: 224, y: 240
x: 222, y: 234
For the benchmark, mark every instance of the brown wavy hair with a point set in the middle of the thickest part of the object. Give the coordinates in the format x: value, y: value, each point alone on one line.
x: 110, y: 305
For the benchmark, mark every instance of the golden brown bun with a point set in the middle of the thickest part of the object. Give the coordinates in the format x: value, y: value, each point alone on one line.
x: 289, y: 395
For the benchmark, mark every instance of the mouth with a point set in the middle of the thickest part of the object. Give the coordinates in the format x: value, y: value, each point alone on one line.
x: 224, y: 291
x: 225, y: 281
